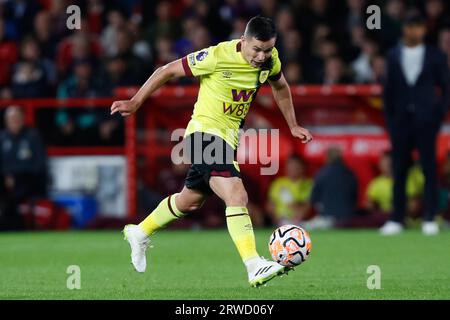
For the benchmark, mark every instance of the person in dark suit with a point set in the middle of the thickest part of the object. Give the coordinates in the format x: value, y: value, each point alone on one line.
x: 334, y: 194
x: 23, y: 167
x: 416, y: 97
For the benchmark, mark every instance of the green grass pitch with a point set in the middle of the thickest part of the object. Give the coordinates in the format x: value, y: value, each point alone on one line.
x: 205, y: 265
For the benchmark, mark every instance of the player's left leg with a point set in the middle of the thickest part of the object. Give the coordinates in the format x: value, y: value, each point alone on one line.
x: 170, y: 209
x: 232, y: 191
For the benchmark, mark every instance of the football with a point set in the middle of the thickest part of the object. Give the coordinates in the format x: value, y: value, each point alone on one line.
x: 290, y: 245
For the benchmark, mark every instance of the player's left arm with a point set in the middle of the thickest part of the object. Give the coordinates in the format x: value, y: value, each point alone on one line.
x: 283, y: 98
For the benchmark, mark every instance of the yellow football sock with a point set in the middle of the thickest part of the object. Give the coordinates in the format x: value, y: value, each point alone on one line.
x: 165, y: 213
x: 241, y: 231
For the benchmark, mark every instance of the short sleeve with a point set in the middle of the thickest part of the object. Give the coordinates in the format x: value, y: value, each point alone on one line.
x: 275, y: 73
x: 200, y: 63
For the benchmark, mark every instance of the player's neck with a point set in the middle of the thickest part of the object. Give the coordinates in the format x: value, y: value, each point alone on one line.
x: 241, y: 51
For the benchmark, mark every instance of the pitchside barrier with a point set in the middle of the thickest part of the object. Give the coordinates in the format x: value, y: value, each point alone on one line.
x: 348, y: 116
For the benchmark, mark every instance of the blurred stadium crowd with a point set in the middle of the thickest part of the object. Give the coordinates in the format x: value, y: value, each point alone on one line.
x: 121, y: 42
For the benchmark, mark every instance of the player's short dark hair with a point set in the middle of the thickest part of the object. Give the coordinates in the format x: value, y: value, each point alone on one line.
x: 261, y: 28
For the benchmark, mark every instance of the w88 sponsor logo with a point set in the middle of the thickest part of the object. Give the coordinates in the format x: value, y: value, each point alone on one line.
x: 240, y: 110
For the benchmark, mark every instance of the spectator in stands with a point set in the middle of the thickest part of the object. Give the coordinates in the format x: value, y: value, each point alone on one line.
x: 31, y: 52
x: 163, y: 24
x: 141, y: 48
x: 285, y: 20
x: 317, y: 24
x: 288, y: 195
x: 82, y: 83
x: 201, y: 38
x: 91, y: 126
x: 436, y: 19
x: 322, y: 51
x: 378, y: 65
x: 361, y: 65
x: 22, y: 13
x: 391, y: 20
x: 231, y: 11
x: 32, y: 76
x: 355, y: 13
x: 116, y: 21
x: 335, y: 72
x: 285, y: 23
x: 334, y: 194
x: 23, y: 166
x: 292, y: 46
x: 78, y: 47
x: 207, y: 13
x: 44, y: 35
x: 319, y: 11
x: 137, y: 66
x: 238, y: 28
x: 28, y: 81
x: 379, y: 193
x: 75, y: 126
x: 444, y: 43
x: 355, y: 43
x: 379, y: 190
x: 95, y: 12
x: 414, y: 112
x: 115, y: 74
x: 164, y: 51
x: 268, y: 8
x: 183, y: 45
x: 321, y: 34
x: 59, y: 16
x: 294, y: 73
x: 8, y: 55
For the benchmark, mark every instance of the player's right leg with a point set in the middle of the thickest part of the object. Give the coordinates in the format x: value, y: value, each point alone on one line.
x: 232, y: 191
x: 171, y: 208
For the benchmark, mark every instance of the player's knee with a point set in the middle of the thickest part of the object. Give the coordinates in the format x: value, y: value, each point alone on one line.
x: 186, y: 206
x: 238, y: 199
x: 195, y: 206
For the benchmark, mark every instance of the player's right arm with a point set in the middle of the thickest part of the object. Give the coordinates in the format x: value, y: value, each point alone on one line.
x: 157, y: 79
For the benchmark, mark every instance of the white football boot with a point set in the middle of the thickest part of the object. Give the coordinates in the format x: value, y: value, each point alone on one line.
x: 391, y: 228
x: 430, y: 228
x: 139, y: 242
x: 261, y: 271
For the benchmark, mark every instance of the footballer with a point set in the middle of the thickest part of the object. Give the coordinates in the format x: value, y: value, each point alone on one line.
x: 230, y: 75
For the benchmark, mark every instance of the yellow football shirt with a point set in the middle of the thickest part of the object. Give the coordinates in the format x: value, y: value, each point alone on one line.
x: 283, y: 192
x: 379, y: 189
x: 228, y: 85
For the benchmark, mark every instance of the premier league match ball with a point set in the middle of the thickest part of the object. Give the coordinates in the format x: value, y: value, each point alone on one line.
x: 290, y: 245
